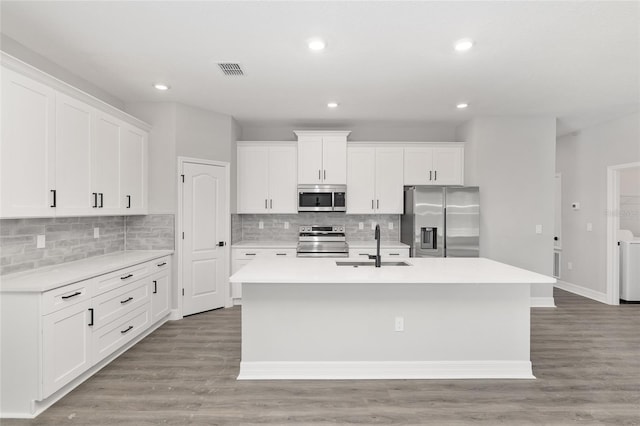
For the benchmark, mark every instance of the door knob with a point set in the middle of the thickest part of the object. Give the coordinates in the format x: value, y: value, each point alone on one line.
x: 221, y: 244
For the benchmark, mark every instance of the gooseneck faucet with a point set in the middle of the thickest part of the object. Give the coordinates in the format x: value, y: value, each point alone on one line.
x: 377, y: 257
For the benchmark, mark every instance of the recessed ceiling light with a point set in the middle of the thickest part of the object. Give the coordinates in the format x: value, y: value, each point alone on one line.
x: 161, y: 86
x: 317, y: 44
x: 463, y: 45
x: 332, y: 105
x: 462, y: 106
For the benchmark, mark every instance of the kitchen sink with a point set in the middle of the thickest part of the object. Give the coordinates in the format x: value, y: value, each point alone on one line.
x: 356, y: 264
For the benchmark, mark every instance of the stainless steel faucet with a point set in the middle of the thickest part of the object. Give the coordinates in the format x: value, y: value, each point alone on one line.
x: 377, y: 257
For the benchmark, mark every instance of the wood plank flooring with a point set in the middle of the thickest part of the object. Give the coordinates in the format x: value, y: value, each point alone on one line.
x: 586, y: 357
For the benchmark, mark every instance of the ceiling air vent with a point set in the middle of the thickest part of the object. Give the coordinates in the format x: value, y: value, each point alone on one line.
x: 230, y: 68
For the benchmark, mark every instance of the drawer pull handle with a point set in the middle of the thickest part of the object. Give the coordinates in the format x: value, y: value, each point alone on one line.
x: 363, y: 254
x: 127, y: 330
x: 77, y: 293
x: 126, y: 277
x: 91, y: 322
x: 394, y: 254
x: 281, y: 254
x: 155, y: 286
x: 161, y: 264
x: 250, y: 254
x: 127, y: 300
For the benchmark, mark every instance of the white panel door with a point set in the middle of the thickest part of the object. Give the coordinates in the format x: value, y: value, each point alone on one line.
x: 417, y: 166
x: 74, y: 122
x: 66, y: 346
x: 310, y: 160
x: 106, y: 165
x: 204, y: 262
x: 389, y: 181
x: 361, y: 180
x: 133, y: 170
x: 447, y: 166
x: 283, y: 182
x: 334, y: 160
x: 27, y: 151
x: 253, y: 179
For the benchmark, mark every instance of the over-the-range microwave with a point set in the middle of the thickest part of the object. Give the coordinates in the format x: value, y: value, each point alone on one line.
x: 322, y: 198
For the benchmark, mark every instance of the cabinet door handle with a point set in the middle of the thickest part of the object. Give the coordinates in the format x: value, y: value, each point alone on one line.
x: 126, y: 277
x: 155, y: 286
x: 319, y: 175
x: 128, y: 201
x: 271, y: 203
x: 372, y: 205
x: 377, y: 204
x: 161, y: 264
x: 126, y: 300
x: 435, y: 175
x: 325, y: 175
x: 91, y: 320
x: 77, y: 293
x: 430, y: 175
x: 127, y: 330
x: 265, y: 203
x: 53, y: 191
x: 101, y: 200
x: 95, y: 199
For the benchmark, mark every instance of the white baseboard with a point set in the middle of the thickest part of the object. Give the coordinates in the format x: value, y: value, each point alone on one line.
x: 543, y: 302
x: 582, y: 291
x: 175, y: 315
x: 384, y: 370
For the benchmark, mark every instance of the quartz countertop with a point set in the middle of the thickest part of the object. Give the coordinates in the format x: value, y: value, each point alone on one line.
x: 421, y: 271
x: 50, y: 277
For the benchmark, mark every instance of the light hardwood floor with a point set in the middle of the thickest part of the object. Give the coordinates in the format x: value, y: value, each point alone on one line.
x: 586, y: 357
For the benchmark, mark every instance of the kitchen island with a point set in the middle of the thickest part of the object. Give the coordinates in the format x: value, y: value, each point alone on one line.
x: 435, y: 318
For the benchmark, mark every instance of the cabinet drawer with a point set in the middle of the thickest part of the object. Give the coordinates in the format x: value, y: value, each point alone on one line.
x: 248, y: 253
x: 402, y: 252
x: 121, y: 277
x: 116, y: 303
x: 59, y: 298
x: 159, y: 265
x: 281, y: 252
x: 109, y: 339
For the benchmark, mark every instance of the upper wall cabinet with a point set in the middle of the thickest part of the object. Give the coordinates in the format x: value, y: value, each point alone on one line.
x: 322, y: 157
x: 434, y: 165
x: 267, y: 177
x: 62, y: 156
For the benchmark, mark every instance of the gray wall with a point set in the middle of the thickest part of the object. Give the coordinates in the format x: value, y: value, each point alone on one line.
x: 583, y: 158
x: 360, y: 131
x: 513, y: 162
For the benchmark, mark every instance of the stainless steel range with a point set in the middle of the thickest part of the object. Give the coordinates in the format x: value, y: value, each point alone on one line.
x: 322, y: 241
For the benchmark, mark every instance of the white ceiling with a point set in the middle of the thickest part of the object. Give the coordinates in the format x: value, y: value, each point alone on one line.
x: 390, y: 61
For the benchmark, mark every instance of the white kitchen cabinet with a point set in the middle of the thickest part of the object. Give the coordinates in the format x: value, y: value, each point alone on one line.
x: 73, y: 156
x: 66, y: 346
x: 27, y: 151
x: 322, y: 157
x: 133, y: 170
x: 160, y: 295
x: 106, y: 165
x: 267, y: 177
x: 434, y: 165
x: 374, y: 180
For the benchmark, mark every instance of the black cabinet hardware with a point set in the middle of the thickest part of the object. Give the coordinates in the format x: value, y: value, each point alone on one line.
x: 126, y: 276
x: 91, y: 321
x: 430, y: 175
x: 95, y: 199
x: 270, y: 203
x: 77, y: 293
x: 435, y: 175
x: 128, y: 201
x: 221, y: 244
x: 126, y: 300
x: 101, y: 200
x: 281, y: 254
x: 377, y: 204
x: 155, y: 286
x: 127, y: 330
x: 53, y: 191
x: 250, y: 254
x: 161, y: 264
x: 319, y: 175
x: 394, y: 254
x: 325, y: 175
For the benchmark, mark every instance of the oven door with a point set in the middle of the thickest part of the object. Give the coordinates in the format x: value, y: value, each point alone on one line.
x: 315, y: 201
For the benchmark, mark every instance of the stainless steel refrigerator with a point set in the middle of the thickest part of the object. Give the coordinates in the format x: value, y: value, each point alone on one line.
x: 441, y: 221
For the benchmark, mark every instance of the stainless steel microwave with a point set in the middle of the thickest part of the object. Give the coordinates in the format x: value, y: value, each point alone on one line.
x: 322, y: 198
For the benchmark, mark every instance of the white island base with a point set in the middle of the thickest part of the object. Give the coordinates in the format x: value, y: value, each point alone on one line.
x: 347, y: 330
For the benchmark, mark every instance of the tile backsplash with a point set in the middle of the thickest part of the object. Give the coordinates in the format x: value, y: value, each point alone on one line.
x: 247, y: 226
x: 72, y: 238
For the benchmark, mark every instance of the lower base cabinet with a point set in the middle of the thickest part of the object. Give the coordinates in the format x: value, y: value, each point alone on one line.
x: 80, y: 325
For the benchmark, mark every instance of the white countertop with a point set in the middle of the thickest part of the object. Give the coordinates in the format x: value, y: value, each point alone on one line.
x: 421, y: 271
x: 50, y: 277
x: 293, y: 244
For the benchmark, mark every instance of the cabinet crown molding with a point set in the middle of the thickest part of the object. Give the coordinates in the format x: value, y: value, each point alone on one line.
x: 344, y: 133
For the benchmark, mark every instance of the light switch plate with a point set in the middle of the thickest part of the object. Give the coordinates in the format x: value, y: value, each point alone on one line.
x: 589, y: 227
x: 538, y: 229
x: 399, y: 324
x: 40, y: 241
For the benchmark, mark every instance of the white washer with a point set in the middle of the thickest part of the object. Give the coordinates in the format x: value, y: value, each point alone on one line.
x: 630, y: 271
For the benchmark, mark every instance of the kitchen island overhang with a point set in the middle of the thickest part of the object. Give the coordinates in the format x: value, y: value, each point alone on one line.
x: 311, y: 319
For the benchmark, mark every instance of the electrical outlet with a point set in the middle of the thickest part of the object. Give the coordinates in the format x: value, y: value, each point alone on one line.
x: 589, y: 227
x: 390, y: 225
x: 373, y: 226
x: 261, y: 225
x: 570, y: 265
x: 286, y: 225
x: 360, y: 225
x: 40, y: 241
x: 96, y: 232
x: 399, y: 324
x: 538, y: 229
